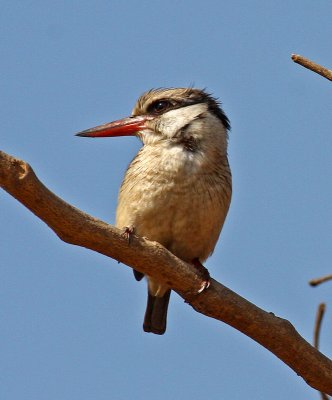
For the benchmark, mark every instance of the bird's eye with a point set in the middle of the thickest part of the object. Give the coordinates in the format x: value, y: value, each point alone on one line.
x: 159, y: 106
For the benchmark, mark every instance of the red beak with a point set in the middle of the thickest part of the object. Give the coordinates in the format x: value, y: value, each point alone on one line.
x: 122, y: 127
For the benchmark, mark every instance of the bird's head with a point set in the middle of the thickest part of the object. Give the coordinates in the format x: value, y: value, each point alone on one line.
x: 180, y: 115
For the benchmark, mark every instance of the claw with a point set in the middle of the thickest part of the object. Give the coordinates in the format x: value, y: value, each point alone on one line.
x: 204, y: 274
x: 205, y: 285
x: 128, y: 232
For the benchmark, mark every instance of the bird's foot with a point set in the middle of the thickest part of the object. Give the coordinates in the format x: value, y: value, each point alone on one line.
x: 128, y: 232
x: 204, y: 274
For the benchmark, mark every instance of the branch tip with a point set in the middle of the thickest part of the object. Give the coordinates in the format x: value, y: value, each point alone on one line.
x: 306, y: 63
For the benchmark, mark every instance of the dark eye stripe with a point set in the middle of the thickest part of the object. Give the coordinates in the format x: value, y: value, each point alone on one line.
x: 162, y: 105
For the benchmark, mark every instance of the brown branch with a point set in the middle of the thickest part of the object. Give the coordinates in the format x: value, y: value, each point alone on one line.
x: 324, y: 396
x: 75, y: 227
x: 318, y: 281
x: 326, y: 73
x: 318, y: 325
x: 305, y: 62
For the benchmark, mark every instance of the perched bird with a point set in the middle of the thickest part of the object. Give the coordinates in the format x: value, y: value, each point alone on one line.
x: 177, y: 190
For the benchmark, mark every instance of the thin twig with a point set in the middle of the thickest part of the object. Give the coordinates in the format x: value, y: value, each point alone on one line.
x: 318, y: 281
x: 318, y: 323
x: 305, y: 62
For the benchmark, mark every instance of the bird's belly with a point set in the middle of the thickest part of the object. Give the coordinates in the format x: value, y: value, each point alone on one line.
x: 184, y: 216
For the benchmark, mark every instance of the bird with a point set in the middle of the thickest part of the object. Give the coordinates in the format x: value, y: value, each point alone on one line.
x: 178, y: 188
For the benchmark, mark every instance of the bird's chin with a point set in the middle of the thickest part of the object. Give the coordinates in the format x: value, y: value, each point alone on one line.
x: 149, y: 137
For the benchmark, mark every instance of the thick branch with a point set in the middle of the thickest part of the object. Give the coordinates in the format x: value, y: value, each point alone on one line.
x: 306, y: 63
x: 219, y: 302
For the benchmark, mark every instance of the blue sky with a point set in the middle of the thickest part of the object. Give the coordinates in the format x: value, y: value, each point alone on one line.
x: 70, y: 318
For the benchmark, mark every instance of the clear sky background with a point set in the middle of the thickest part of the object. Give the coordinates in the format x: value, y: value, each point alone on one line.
x: 71, y: 319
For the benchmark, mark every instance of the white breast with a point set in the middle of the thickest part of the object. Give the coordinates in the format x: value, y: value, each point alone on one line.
x: 169, y: 195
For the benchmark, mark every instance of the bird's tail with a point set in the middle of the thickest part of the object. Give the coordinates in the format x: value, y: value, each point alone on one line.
x: 156, y: 313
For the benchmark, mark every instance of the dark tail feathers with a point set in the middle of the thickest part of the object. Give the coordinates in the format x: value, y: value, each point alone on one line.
x: 156, y: 313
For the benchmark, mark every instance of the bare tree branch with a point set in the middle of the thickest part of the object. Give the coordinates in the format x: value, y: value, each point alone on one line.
x: 75, y: 227
x: 326, y: 73
x: 318, y: 324
x: 305, y: 62
x: 318, y: 281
